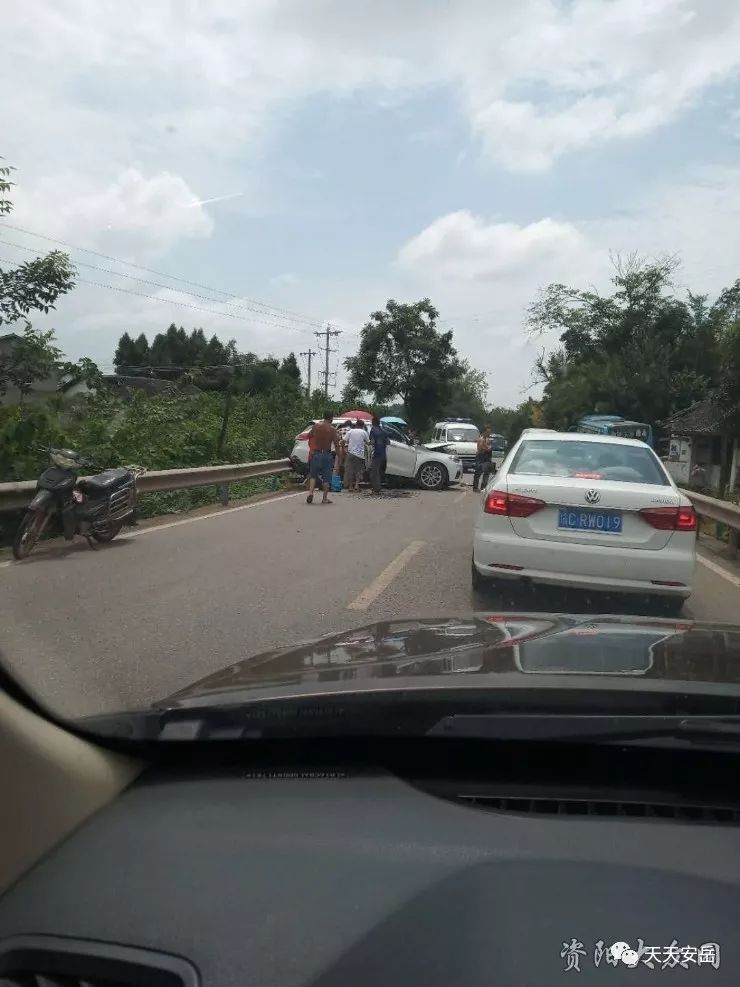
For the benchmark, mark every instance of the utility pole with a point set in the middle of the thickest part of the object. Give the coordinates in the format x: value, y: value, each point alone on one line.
x: 309, y: 353
x: 327, y: 334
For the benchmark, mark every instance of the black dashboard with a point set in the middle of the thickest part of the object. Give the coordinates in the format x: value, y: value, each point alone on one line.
x: 360, y: 876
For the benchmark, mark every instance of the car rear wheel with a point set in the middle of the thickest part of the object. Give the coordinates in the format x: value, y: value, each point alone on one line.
x: 432, y: 476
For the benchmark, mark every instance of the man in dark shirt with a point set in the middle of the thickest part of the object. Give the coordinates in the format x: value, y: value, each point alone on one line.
x: 324, y: 437
x: 379, y: 440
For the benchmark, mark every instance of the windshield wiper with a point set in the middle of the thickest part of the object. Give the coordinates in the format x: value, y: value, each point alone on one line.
x: 701, y: 731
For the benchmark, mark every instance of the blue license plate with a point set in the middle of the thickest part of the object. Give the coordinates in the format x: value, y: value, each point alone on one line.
x: 601, y: 522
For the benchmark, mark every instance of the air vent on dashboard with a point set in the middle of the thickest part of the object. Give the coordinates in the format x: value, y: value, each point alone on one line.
x: 54, y: 961
x: 623, y: 809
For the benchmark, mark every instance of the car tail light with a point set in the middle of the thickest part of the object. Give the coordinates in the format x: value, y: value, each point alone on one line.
x: 670, y: 518
x: 511, y: 505
x: 686, y: 520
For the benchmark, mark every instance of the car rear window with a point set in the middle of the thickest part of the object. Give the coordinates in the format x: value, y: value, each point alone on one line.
x: 589, y: 461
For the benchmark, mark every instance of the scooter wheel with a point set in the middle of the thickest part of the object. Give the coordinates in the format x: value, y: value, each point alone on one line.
x: 108, y: 531
x: 28, y: 533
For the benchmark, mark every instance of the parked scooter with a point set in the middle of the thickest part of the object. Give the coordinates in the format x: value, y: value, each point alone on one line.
x: 95, y: 507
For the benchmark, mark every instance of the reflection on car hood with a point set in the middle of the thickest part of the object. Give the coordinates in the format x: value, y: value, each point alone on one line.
x: 470, y: 447
x: 486, y: 650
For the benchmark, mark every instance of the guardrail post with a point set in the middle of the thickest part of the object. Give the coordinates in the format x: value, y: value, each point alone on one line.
x: 732, y: 543
x: 223, y: 490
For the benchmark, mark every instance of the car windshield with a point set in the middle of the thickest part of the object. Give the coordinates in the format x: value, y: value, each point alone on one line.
x: 229, y: 232
x: 588, y: 460
x: 462, y: 434
x: 395, y: 433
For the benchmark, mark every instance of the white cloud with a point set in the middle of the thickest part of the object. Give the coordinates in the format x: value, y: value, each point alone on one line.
x: 133, y: 213
x: 121, y: 114
x: 538, y: 78
x: 483, y: 274
x: 464, y: 247
x: 104, y: 84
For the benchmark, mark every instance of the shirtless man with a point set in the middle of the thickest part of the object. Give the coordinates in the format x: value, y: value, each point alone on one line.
x: 483, y: 459
x: 324, y: 437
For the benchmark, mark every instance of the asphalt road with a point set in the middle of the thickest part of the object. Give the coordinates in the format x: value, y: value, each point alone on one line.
x: 162, y: 606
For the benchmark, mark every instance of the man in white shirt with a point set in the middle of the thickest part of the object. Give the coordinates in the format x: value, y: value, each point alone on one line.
x: 354, y: 466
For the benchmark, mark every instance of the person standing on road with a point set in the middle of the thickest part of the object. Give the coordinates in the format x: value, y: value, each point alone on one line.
x: 342, y: 455
x: 311, y: 451
x: 325, y: 436
x: 354, y: 466
x: 483, y: 458
x: 379, y: 440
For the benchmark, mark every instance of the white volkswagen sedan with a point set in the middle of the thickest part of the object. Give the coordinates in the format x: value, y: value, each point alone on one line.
x: 586, y: 511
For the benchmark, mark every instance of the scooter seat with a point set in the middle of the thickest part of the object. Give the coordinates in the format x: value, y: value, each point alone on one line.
x: 106, y: 482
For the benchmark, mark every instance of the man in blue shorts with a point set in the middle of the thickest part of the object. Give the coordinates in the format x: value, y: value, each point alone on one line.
x: 321, y: 466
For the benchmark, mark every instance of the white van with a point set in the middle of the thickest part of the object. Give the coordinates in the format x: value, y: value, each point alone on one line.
x: 459, y: 436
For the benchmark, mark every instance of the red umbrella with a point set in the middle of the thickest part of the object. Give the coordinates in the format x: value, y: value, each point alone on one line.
x: 362, y: 415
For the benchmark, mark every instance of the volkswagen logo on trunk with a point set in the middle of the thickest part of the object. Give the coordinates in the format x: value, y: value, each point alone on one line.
x: 592, y: 496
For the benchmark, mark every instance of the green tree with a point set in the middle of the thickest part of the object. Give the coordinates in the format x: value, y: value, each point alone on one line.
x: 468, y: 399
x: 638, y: 351
x: 176, y: 349
x: 131, y: 354
x: 32, y: 357
x: 34, y: 287
x: 170, y: 348
x: 85, y: 370
x: 291, y: 371
x: 6, y: 185
x: 726, y: 316
x: 215, y: 353
x: 125, y: 355
x: 141, y: 351
x: 403, y: 355
x: 350, y: 397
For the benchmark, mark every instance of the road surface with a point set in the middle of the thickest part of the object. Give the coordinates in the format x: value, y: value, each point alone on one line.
x: 162, y: 606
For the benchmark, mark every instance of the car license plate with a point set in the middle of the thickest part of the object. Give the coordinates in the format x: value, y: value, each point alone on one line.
x: 601, y: 522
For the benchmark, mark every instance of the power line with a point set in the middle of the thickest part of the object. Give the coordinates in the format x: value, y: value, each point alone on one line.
x: 171, y: 301
x: 158, y: 284
x: 173, y: 277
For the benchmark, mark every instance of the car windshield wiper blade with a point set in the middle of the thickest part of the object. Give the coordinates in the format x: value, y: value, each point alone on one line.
x: 591, y: 728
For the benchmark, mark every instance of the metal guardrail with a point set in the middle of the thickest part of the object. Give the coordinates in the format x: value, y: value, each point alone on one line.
x: 720, y: 511
x: 18, y: 495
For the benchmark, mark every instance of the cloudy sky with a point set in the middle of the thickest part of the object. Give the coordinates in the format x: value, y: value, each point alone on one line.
x: 298, y: 161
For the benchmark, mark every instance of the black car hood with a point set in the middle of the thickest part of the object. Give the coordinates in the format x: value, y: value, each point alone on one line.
x: 485, y: 650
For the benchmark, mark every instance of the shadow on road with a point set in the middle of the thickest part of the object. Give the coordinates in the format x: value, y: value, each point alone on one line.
x: 66, y: 550
x: 547, y: 599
